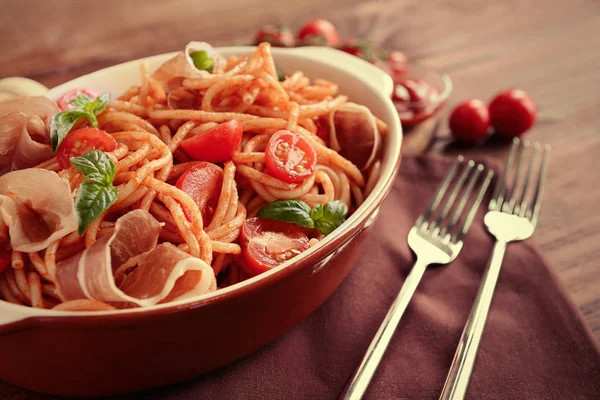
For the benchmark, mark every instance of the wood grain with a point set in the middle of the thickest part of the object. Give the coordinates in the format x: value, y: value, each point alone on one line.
x: 547, y: 48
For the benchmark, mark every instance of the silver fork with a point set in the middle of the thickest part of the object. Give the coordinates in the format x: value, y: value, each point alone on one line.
x: 511, y: 217
x: 434, y: 241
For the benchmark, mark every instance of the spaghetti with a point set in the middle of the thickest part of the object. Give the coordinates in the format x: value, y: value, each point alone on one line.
x: 152, y: 160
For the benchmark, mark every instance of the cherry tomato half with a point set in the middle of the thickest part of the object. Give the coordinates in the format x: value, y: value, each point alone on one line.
x: 217, y: 144
x: 470, y: 121
x: 203, y: 184
x: 290, y: 157
x: 319, y: 31
x: 80, y: 142
x: 512, y: 112
x: 277, y: 35
x: 63, y: 102
x: 267, y: 243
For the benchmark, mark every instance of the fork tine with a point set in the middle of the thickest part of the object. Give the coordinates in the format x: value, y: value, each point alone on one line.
x: 521, y: 205
x: 536, y: 201
x: 440, y: 192
x: 498, y: 195
x: 463, y: 201
x: 471, y: 215
x: 514, y: 187
x: 453, y: 195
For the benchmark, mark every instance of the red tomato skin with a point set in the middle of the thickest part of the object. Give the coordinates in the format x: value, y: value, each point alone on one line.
x: 217, y: 144
x: 512, y: 112
x: 78, y: 142
x: 255, y: 255
x: 278, y: 168
x: 320, y: 28
x: 202, y: 183
x: 470, y: 121
x: 277, y: 35
x: 63, y: 102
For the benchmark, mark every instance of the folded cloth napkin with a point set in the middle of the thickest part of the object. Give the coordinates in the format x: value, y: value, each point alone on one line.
x: 535, y: 345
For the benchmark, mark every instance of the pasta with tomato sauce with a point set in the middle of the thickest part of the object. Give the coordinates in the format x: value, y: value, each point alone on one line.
x: 207, y: 172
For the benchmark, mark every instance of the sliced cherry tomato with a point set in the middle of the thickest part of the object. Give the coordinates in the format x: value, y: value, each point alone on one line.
x: 267, y: 243
x: 63, y: 102
x: 319, y: 32
x: 512, y: 112
x: 217, y: 144
x: 80, y: 142
x: 203, y: 184
x: 470, y: 121
x: 290, y: 157
x: 277, y: 35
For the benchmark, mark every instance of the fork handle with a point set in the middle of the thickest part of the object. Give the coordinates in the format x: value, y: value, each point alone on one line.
x: 459, y: 375
x: 358, y: 383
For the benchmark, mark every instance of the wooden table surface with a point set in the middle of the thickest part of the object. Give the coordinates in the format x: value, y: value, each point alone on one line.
x: 548, y: 48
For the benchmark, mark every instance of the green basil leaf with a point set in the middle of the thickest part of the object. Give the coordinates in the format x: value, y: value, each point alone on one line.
x: 98, y: 105
x: 97, y: 192
x: 294, y: 211
x: 202, y: 61
x: 96, y: 166
x: 61, y: 125
x: 92, y: 200
x: 280, y: 75
x: 80, y: 101
x: 85, y: 107
x: 329, y: 216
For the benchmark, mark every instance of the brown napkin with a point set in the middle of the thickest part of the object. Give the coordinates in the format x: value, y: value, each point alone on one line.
x: 535, y: 344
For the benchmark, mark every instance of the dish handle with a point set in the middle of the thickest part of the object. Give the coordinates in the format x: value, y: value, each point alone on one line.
x: 352, y: 64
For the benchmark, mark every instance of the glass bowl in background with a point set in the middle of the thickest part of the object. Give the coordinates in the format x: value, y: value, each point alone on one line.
x: 419, y: 93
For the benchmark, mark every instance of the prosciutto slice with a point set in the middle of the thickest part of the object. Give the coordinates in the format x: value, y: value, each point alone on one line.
x: 163, y: 273
x: 173, y: 71
x: 24, y: 132
x: 37, y: 207
x: 353, y: 133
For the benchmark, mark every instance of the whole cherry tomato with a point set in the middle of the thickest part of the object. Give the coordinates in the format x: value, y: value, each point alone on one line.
x: 512, y: 112
x: 469, y: 122
x: 319, y: 32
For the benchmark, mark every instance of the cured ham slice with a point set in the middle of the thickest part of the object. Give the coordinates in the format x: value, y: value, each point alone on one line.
x: 163, y: 273
x: 36, y: 106
x: 24, y: 127
x: 180, y: 67
x: 37, y: 207
x: 188, y: 276
x: 353, y: 133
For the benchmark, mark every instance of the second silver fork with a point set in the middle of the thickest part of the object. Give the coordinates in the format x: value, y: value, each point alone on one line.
x: 434, y: 240
x: 511, y: 217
